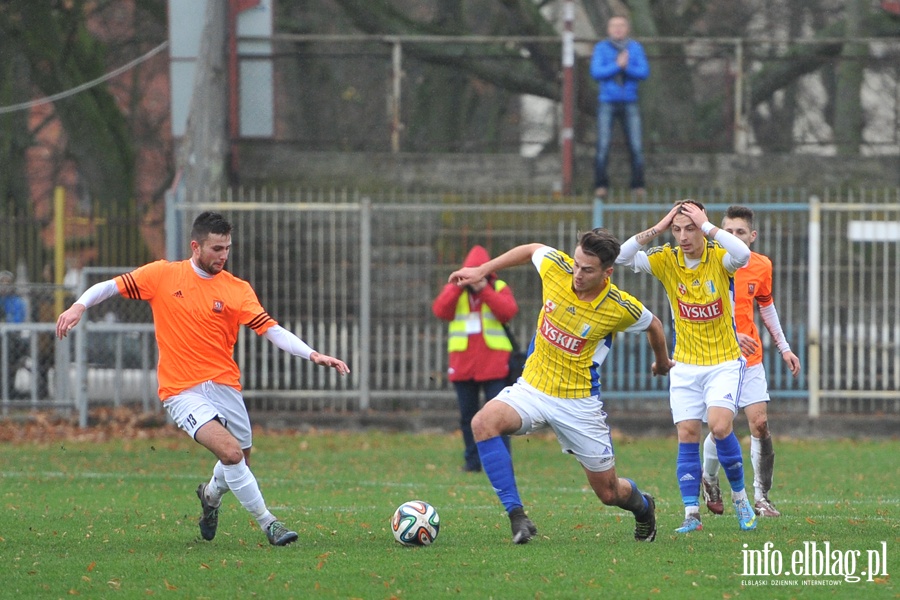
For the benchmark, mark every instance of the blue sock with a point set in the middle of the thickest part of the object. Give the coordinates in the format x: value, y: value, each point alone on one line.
x: 636, y: 502
x: 497, y: 464
x: 729, y: 451
x: 689, y: 472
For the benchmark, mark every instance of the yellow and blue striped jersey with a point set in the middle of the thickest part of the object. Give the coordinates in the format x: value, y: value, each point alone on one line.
x: 702, y: 303
x: 573, y: 337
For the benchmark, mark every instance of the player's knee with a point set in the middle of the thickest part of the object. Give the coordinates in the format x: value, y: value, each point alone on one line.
x: 482, y: 428
x: 231, y: 456
x: 760, y: 427
x: 720, y: 430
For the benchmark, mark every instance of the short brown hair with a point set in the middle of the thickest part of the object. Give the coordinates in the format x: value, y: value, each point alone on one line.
x: 740, y: 212
x: 601, y: 243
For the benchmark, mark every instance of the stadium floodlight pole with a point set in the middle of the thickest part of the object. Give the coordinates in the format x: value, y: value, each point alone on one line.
x: 568, y: 95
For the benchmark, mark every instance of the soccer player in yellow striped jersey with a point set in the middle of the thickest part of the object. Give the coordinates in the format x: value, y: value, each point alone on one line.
x: 698, y: 276
x: 560, y: 386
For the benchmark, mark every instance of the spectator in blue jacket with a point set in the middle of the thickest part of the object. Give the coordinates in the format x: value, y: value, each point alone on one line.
x: 619, y: 64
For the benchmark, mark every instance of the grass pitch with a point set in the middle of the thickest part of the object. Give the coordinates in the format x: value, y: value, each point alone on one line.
x: 118, y: 520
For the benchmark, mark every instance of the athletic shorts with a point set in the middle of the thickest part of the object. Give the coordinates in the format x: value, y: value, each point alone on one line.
x: 693, y: 389
x: 580, y: 424
x: 755, y: 388
x: 195, y: 407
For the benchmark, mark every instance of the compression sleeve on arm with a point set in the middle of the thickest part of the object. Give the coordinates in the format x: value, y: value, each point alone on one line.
x: 98, y: 292
x: 288, y: 342
x: 738, y: 252
x: 773, y: 324
x: 631, y: 255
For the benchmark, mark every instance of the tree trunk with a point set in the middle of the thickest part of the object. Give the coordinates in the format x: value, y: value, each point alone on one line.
x: 848, y: 113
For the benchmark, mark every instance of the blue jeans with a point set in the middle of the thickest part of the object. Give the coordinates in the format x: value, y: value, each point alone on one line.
x: 628, y: 114
x: 467, y: 396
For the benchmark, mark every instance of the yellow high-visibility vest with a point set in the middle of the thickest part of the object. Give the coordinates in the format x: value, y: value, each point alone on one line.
x: 491, y: 328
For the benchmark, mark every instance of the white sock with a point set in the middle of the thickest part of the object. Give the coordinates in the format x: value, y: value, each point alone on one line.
x: 217, y: 487
x: 738, y: 496
x: 691, y: 511
x: 710, y: 458
x: 246, y: 489
x: 755, y: 453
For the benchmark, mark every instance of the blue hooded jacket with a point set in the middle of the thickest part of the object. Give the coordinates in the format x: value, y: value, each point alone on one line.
x: 616, y: 84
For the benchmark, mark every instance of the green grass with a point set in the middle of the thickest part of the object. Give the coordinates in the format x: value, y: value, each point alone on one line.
x: 118, y: 520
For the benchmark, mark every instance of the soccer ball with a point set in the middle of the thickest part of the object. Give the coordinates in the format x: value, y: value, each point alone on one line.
x: 415, y: 523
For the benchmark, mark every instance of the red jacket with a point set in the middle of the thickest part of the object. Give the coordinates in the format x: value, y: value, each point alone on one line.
x: 477, y: 362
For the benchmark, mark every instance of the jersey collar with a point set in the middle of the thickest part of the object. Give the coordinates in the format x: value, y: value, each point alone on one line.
x: 679, y: 255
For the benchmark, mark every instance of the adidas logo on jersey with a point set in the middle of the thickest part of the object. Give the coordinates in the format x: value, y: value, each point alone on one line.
x: 178, y: 294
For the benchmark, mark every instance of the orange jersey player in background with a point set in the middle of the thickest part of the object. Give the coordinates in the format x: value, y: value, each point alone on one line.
x: 752, y: 284
x: 198, y: 308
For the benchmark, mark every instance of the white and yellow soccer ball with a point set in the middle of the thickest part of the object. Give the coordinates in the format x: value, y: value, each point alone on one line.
x: 415, y: 523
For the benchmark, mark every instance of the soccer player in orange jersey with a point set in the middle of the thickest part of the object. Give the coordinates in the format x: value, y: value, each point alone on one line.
x: 560, y: 386
x: 697, y: 275
x: 751, y: 283
x: 198, y: 308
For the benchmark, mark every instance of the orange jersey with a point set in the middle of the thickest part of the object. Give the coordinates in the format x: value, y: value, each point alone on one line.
x: 197, y: 321
x: 752, y: 282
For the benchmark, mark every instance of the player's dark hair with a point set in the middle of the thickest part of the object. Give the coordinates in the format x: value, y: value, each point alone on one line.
x: 209, y: 222
x: 601, y: 243
x: 740, y: 212
x: 696, y: 203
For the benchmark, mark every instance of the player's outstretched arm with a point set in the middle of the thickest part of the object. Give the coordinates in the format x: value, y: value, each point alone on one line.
x: 287, y: 341
x: 95, y: 294
x: 330, y: 361
x: 519, y: 255
x: 69, y: 319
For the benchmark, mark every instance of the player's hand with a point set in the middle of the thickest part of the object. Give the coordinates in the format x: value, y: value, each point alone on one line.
x: 792, y: 361
x: 622, y: 59
x: 329, y: 361
x: 694, y: 213
x: 662, y: 369
x: 666, y: 221
x: 69, y: 319
x: 466, y: 276
x: 748, y: 344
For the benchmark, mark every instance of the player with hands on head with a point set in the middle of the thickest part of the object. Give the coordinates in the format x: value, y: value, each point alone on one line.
x: 752, y: 286
x: 697, y: 275
x: 198, y: 308
x: 560, y: 385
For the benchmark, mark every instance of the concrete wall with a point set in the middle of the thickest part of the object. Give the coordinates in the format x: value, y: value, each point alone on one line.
x: 268, y: 163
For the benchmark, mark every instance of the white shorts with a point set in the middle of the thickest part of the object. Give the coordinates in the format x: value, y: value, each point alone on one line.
x: 694, y: 388
x: 580, y: 424
x: 197, y: 406
x: 755, y: 388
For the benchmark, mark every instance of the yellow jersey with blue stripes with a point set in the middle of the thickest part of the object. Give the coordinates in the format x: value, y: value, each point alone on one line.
x: 702, y: 303
x: 573, y: 337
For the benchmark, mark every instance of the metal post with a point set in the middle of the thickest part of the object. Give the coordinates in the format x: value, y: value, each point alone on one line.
x: 598, y: 212
x: 59, y: 251
x: 365, y: 303
x: 568, y: 96
x: 396, y: 75
x: 81, y: 333
x: 814, y: 334
x: 740, y: 134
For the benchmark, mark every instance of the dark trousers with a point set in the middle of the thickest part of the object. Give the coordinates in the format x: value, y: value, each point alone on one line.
x: 467, y: 396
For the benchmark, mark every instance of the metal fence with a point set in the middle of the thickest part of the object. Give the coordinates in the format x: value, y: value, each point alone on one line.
x: 355, y: 277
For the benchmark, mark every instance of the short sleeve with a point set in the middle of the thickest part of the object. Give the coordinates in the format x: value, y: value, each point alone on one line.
x: 253, y: 315
x: 142, y: 283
